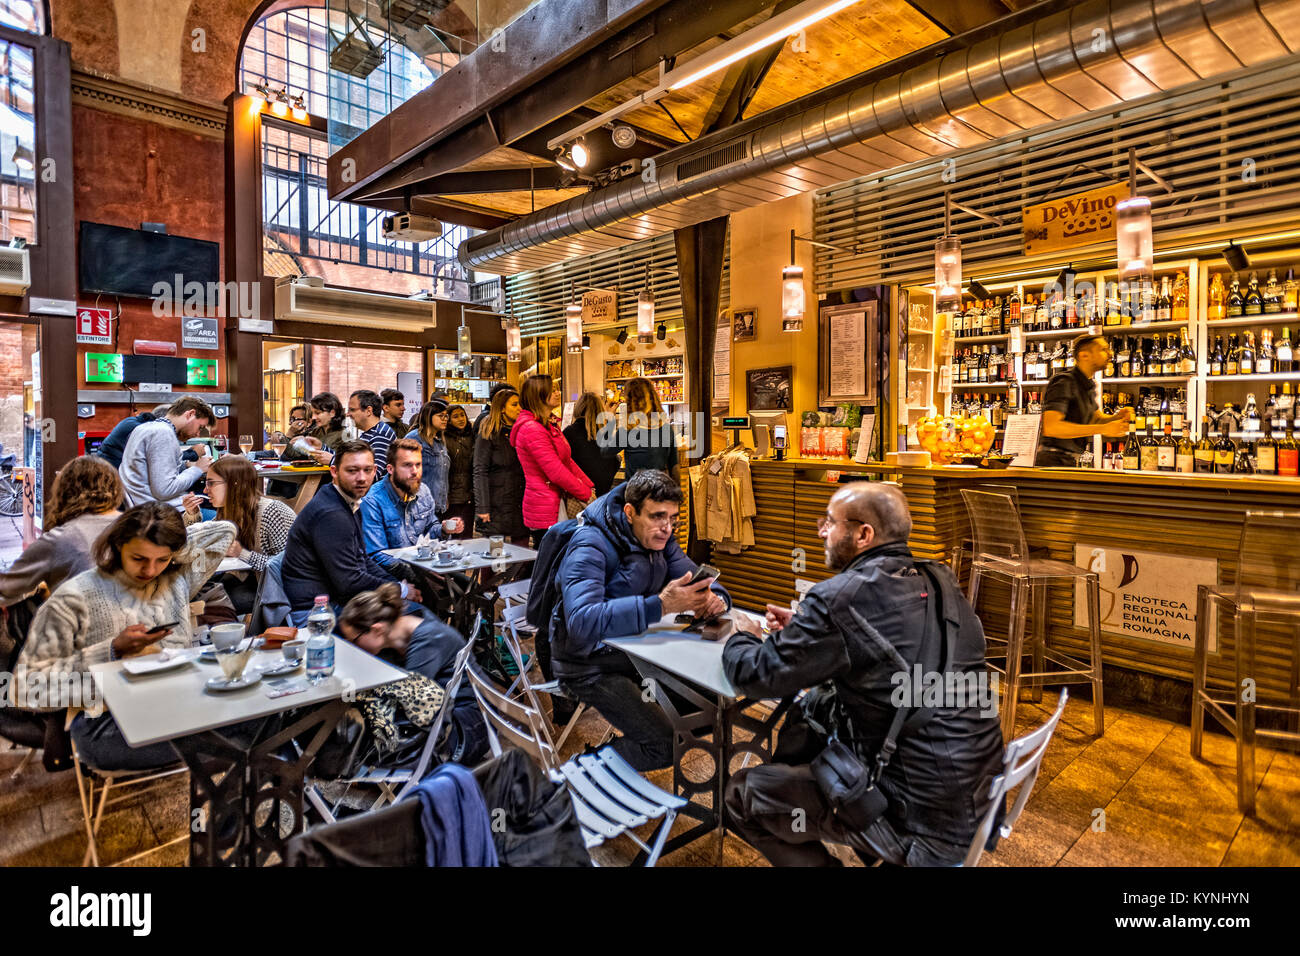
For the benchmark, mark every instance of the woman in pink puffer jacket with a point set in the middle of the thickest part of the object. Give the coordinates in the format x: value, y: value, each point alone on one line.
x: 544, y: 454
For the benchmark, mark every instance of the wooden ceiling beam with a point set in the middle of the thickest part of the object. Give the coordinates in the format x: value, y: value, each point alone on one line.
x: 958, y: 16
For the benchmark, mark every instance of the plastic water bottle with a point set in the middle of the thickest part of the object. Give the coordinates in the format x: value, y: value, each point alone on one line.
x: 320, y: 640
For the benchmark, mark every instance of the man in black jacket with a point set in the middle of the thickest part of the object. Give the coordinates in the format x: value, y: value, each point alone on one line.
x: 326, y: 552
x: 862, y: 631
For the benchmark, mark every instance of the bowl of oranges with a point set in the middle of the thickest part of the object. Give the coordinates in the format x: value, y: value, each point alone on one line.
x: 948, y: 437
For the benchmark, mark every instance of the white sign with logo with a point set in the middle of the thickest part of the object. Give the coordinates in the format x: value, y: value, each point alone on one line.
x: 599, y: 306
x: 1144, y: 594
x: 198, y: 332
x: 94, y: 326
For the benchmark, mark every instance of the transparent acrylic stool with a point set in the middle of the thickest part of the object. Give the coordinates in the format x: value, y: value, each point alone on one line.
x: 1001, y: 553
x: 1267, y: 589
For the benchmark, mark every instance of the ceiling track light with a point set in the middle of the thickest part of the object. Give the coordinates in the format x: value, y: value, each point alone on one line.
x: 624, y: 137
x: 622, y: 336
x: 564, y: 162
x: 580, y: 154
x: 661, y: 333
x: 1236, y: 257
x: 977, y: 290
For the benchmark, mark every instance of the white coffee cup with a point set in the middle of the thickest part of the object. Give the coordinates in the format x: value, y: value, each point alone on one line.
x: 226, y: 635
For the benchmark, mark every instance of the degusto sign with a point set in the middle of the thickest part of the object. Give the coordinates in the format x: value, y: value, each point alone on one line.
x: 1144, y: 594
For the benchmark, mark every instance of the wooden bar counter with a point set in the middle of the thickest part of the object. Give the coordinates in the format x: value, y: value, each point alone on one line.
x: 1183, y: 528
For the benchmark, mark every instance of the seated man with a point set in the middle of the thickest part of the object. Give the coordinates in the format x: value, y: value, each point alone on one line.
x: 622, y: 571
x: 862, y: 630
x: 325, y: 553
x: 399, y: 509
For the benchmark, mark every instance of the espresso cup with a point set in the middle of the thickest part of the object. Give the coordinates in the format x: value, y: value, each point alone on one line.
x: 444, y: 557
x: 496, y: 544
x: 294, y: 651
x: 225, y: 636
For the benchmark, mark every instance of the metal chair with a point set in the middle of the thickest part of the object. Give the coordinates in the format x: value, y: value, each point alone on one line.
x: 1267, y: 589
x: 1001, y: 553
x: 1020, y: 766
x: 610, y: 798
x: 92, y: 815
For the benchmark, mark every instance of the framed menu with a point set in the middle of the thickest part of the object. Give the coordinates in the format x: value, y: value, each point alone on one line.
x: 722, y: 360
x: 848, y: 353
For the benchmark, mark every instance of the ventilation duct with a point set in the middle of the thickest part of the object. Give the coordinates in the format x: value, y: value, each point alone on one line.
x: 1091, y: 56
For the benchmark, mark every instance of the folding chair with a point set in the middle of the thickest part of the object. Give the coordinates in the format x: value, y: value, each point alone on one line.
x: 387, y: 779
x: 610, y: 798
x: 92, y: 814
x: 1020, y: 766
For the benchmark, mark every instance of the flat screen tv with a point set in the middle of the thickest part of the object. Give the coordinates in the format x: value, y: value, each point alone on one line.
x: 117, y: 261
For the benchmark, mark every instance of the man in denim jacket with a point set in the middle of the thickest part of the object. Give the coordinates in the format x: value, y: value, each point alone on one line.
x: 399, y: 509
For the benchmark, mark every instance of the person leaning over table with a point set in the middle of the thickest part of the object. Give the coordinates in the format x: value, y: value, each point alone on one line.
x: 84, y: 502
x: 111, y: 448
x: 858, y: 630
x: 325, y: 434
x: 1070, y: 412
x: 622, y: 571
x: 326, y: 552
x: 151, y: 462
x: 398, y: 510
x: 148, y: 567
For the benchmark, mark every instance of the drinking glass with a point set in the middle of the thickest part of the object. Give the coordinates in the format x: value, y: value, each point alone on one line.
x: 246, y: 444
x: 234, y: 659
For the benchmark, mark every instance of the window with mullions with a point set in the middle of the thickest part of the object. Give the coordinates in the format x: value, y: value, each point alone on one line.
x: 307, y: 233
x: 291, y: 49
x: 23, y: 15
x: 17, y: 143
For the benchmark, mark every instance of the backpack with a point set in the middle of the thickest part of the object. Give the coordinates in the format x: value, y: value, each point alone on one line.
x: 544, y: 595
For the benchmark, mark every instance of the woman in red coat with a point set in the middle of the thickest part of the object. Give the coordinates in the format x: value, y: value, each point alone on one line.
x: 549, y: 471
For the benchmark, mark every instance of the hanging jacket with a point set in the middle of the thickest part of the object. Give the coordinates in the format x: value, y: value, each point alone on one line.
x: 548, y: 469
x: 499, y: 485
x: 460, y: 479
x: 437, y: 467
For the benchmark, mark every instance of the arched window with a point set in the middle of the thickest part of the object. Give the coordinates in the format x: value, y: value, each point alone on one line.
x: 26, y: 15
x: 17, y: 143
x: 304, y: 232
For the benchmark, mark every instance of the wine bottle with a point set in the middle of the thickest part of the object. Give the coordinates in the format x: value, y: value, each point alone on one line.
x: 1235, y: 302
x: 1043, y: 314
x: 1203, y: 457
x: 1288, y: 456
x: 1272, y: 294
x: 1112, y: 304
x: 1149, y: 450
x: 1289, y: 293
x: 1283, y: 352
x: 1218, y: 298
x: 1266, y: 452
x: 1250, y: 425
x: 1132, y: 452
x: 1270, y: 407
x: 1230, y: 357
x: 1254, y: 301
x: 1225, y: 449
x: 1179, y: 309
x: 1165, y: 302
x: 1216, y: 357
x: 1167, y: 451
x: 1013, y: 309
x: 1264, y: 357
x: 1185, y: 453
x: 1186, y: 356
x: 1246, y: 356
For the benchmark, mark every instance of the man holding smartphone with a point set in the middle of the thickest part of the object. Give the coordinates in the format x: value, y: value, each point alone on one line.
x: 622, y: 571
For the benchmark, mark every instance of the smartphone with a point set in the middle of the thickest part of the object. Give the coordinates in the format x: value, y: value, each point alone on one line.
x: 162, y: 627
x: 704, y: 571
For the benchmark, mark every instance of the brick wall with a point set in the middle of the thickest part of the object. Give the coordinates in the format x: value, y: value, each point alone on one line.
x: 343, y: 371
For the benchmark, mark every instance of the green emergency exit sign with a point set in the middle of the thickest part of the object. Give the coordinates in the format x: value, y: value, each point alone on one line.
x: 201, y: 372
x: 103, y: 367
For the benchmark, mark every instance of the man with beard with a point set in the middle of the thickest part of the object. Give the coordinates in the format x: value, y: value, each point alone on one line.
x: 855, y: 634
x: 399, y: 509
x: 325, y: 553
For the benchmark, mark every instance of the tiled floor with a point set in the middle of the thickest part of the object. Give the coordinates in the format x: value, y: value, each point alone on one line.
x: 1132, y: 797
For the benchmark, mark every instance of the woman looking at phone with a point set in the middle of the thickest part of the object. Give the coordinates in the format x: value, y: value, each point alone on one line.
x: 148, y: 567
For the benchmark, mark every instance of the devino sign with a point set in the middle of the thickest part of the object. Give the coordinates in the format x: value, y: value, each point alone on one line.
x: 1078, y: 220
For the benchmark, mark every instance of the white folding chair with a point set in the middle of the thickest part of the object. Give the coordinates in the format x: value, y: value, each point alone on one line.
x: 1020, y: 766
x: 92, y: 814
x: 610, y: 798
x: 388, y: 779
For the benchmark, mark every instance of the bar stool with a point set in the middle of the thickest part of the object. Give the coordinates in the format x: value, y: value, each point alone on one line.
x: 1002, y: 553
x: 1267, y: 588
x: 956, y: 558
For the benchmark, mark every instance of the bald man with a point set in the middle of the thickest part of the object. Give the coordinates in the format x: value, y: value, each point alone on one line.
x: 862, y: 631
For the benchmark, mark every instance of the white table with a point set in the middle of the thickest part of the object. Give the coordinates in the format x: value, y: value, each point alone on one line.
x: 467, y: 601
x: 691, y: 667
x: 310, y: 481
x: 235, y: 783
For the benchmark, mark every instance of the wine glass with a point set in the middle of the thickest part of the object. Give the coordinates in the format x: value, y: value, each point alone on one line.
x: 221, y: 444
x: 246, y: 445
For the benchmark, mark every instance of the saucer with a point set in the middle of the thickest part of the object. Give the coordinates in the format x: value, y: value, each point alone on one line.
x: 244, y: 680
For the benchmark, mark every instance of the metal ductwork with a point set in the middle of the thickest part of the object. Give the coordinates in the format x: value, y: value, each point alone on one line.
x: 1092, y: 56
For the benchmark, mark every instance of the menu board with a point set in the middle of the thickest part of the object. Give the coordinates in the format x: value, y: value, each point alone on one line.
x: 863, y: 452
x: 1021, y: 439
x: 847, y: 373
x: 722, y: 361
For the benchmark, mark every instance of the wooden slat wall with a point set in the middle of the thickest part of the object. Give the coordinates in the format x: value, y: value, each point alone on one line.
x: 1195, y: 517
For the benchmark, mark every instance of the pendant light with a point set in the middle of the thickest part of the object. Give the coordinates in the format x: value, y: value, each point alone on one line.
x: 464, y: 348
x: 1134, y: 249
x: 947, y: 264
x: 645, y: 311
x: 793, y: 301
x: 514, y: 339
x: 573, y: 324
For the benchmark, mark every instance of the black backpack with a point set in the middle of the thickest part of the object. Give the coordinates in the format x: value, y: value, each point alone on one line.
x: 544, y: 594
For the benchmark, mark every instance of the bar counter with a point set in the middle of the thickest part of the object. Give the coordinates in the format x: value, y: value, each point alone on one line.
x: 1184, y: 529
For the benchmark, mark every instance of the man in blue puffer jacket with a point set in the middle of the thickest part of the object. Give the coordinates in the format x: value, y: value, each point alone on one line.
x: 622, y: 571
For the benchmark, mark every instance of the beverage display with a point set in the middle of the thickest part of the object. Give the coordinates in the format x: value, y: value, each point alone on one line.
x: 320, y: 640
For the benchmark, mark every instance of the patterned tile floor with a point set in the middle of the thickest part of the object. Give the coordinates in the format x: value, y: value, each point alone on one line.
x: 1158, y: 806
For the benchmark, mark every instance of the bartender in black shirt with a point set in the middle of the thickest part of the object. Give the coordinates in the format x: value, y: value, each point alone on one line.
x: 1070, y: 413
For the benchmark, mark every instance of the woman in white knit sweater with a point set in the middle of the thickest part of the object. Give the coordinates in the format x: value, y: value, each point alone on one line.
x: 148, y: 568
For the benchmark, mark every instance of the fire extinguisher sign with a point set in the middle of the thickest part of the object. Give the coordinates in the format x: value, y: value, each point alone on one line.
x: 94, y: 326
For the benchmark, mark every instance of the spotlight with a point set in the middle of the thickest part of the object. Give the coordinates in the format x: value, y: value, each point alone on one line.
x: 562, y: 160
x: 299, y: 107
x: 24, y: 158
x: 259, y: 95
x: 1233, y: 254
x: 280, y: 104
x: 622, y: 335
x: 624, y: 137
x: 662, y: 332
x: 17, y: 242
x: 586, y: 341
x: 581, y: 155
x: 976, y: 289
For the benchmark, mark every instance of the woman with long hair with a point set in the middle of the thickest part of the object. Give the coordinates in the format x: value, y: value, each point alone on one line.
x: 84, y: 501
x: 430, y: 424
x: 325, y: 433
x: 498, y: 476
x: 378, y: 623
x: 148, y: 567
x: 547, y: 460
x: 459, y: 439
x: 262, y: 524
x: 650, y: 439
x: 595, y: 447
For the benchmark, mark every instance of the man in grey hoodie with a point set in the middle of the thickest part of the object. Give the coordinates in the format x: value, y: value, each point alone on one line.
x: 151, y: 464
